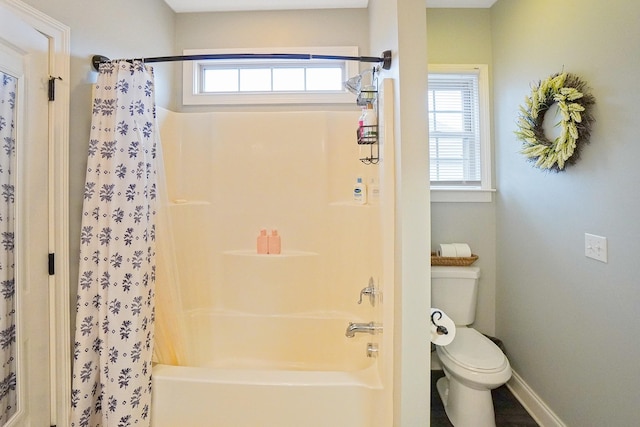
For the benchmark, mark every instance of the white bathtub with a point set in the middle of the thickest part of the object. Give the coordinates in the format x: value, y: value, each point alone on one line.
x: 268, y: 371
x: 208, y: 397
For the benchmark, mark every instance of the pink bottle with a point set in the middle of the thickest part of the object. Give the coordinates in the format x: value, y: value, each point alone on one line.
x: 263, y: 242
x: 361, y: 124
x: 275, y: 244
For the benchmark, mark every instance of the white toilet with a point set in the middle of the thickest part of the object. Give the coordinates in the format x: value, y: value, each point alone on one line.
x: 472, y: 363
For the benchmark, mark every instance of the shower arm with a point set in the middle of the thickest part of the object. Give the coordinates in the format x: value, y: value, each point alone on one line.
x: 385, y: 59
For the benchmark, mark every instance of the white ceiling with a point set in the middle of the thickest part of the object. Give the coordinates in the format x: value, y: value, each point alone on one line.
x: 460, y: 3
x: 182, y: 6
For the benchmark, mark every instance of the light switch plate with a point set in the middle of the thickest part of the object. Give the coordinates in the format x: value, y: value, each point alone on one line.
x: 595, y: 247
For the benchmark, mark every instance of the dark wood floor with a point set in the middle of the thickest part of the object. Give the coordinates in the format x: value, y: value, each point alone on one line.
x: 509, y: 412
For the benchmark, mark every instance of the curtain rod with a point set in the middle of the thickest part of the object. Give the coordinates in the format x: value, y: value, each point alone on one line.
x: 385, y: 59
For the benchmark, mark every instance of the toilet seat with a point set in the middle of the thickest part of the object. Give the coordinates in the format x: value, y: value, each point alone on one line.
x: 475, y: 352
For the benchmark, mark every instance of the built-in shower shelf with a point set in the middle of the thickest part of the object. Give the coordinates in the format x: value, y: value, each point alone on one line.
x: 351, y: 204
x: 180, y: 202
x: 284, y: 254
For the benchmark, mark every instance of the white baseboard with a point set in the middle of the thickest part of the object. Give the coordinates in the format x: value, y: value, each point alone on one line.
x: 538, y: 410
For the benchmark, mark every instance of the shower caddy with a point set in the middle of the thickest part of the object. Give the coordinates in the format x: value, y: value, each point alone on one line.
x: 368, y: 135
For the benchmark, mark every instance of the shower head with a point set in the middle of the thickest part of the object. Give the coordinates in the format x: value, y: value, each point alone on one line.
x: 354, y: 84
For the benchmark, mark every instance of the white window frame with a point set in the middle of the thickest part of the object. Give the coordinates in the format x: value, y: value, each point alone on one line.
x: 191, y: 94
x: 484, y: 192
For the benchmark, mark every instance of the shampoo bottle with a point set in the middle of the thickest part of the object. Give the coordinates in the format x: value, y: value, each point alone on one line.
x: 275, y: 244
x: 361, y: 124
x: 360, y: 192
x: 263, y: 242
x: 370, y: 122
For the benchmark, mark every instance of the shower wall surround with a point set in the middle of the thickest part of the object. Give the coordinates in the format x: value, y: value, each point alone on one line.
x: 230, y: 175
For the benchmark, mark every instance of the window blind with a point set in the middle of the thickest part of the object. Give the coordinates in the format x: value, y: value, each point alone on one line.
x: 454, y: 129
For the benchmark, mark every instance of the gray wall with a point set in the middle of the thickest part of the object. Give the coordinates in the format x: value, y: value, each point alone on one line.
x: 116, y: 29
x: 463, y: 36
x: 570, y: 323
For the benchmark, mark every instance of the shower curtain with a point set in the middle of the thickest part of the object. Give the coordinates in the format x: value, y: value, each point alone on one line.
x: 8, y: 395
x: 111, y: 383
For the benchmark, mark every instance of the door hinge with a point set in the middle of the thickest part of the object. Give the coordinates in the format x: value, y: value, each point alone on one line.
x: 52, y: 87
x: 52, y: 269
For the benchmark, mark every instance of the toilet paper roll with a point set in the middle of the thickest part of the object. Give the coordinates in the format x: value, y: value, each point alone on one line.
x: 462, y: 250
x: 443, y: 330
x: 447, y: 250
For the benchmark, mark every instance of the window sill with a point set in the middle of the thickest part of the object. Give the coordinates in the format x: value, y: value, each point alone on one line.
x: 461, y: 195
x: 270, y: 98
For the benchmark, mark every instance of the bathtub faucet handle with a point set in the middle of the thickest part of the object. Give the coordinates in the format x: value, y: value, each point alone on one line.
x: 371, y: 291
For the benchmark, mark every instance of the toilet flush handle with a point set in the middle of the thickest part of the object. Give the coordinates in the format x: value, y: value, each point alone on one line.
x: 440, y: 330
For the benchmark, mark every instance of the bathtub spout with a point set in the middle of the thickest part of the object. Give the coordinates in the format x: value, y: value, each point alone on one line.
x: 371, y: 328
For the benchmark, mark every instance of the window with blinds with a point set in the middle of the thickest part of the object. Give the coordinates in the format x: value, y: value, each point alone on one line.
x: 454, y: 130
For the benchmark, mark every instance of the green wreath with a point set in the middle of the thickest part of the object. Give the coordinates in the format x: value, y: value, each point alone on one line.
x: 574, y: 105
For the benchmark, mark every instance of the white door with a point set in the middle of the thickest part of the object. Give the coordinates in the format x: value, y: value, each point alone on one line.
x: 24, y: 57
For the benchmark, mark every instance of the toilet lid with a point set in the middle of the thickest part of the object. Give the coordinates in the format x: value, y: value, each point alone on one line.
x: 474, y: 351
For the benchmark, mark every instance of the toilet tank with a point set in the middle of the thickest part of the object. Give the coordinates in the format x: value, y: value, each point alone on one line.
x: 454, y: 290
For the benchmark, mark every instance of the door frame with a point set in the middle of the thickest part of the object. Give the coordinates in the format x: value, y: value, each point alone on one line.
x: 59, y: 36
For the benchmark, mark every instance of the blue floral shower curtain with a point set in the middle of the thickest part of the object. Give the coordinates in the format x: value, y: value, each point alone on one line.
x: 115, y: 306
x: 8, y: 395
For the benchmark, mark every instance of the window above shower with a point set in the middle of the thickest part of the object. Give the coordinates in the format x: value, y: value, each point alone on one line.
x: 268, y: 81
